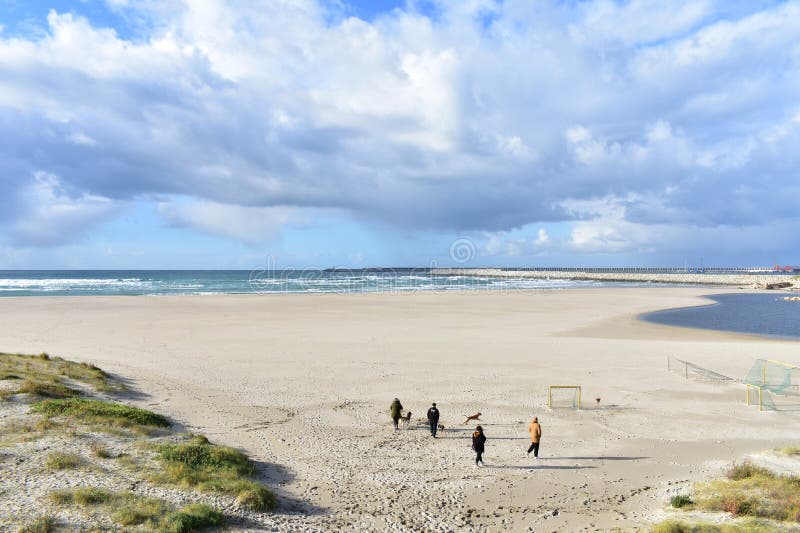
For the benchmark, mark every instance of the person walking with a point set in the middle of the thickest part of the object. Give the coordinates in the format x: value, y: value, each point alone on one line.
x: 536, y: 435
x: 396, y: 410
x: 478, y: 442
x: 433, y: 419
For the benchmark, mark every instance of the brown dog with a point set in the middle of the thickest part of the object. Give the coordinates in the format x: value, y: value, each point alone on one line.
x: 406, y: 419
x: 476, y: 416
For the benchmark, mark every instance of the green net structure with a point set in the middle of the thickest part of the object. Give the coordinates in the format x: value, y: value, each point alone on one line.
x: 767, y: 379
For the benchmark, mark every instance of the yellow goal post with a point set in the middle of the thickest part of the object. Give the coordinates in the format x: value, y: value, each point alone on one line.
x: 576, y: 397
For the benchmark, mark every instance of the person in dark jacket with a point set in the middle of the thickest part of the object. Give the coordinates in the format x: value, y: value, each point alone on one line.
x: 396, y: 409
x: 478, y: 442
x: 433, y: 419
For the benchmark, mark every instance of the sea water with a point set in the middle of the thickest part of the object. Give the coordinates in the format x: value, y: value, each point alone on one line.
x: 759, y: 314
x: 204, y: 282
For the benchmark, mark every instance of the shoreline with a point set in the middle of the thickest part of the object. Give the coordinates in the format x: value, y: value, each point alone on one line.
x: 304, y: 384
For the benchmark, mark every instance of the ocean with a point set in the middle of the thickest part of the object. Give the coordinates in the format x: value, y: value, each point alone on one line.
x: 207, y: 282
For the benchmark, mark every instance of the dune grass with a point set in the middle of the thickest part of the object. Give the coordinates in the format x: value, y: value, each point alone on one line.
x: 43, y: 524
x: 63, y: 461
x: 50, y: 389
x: 191, y: 518
x: 680, y: 501
x: 100, y: 412
x: 128, y: 509
x: 44, y: 369
x: 747, y: 491
x: 212, y: 468
x: 679, y: 526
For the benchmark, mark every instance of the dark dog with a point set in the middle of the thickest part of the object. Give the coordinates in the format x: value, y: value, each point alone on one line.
x: 406, y: 419
x: 476, y: 416
x: 440, y: 427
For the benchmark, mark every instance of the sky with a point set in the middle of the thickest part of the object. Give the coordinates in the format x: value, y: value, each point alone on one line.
x: 320, y: 133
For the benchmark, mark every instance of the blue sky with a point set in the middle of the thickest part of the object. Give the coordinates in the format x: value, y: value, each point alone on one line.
x: 218, y: 134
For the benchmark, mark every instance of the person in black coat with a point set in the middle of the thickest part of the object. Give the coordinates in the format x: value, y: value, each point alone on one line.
x: 478, y: 442
x: 433, y: 419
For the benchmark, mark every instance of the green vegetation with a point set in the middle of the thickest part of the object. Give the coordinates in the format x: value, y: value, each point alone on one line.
x: 137, y: 511
x: 63, y: 461
x: 790, y: 451
x: 98, y: 450
x: 212, y: 468
x: 748, y: 491
x: 191, y: 518
x: 43, y: 369
x: 97, y: 411
x: 678, y: 526
x: 47, y: 389
x: 43, y: 524
x: 128, y: 509
x: 681, y: 500
x: 67, y: 410
x: 82, y: 496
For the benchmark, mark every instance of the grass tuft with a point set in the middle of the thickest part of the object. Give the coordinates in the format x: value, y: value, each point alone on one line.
x: 47, y: 389
x: 212, y: 468
x: 680, y: 501
x: 139, y: 510
x: 63, y: 461
x: 98, y: 450
x: 101, y: 412
x: 43, y: 524
x: 745, y: 470
x: 679, y: 526
x: 191, y: 518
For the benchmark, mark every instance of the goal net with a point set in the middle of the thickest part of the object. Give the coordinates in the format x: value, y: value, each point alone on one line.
x: 773, y: 385
x: 564, y: 396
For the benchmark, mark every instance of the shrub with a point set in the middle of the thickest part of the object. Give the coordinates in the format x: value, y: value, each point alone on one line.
x: 745, y: 470
x: 191, y: 518
x: 100, y: 411
x: 680, y: 501
x: 63, y: 461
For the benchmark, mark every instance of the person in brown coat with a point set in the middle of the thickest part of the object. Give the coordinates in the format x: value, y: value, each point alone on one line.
x: 536, y: 435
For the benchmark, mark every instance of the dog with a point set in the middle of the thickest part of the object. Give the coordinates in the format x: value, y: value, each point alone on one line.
x: 440, y: 427
x: 476, y: 416
x: 406, y: 419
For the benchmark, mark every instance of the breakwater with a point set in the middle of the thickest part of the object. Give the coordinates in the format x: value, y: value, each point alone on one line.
x: 732, y: 278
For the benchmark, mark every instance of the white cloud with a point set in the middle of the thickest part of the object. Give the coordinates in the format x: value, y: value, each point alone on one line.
x: 487, y: 117
x: 51, y: 215
x: 251, y: 225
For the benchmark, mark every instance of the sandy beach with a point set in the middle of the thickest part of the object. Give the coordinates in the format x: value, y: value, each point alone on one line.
x: 303, y: 383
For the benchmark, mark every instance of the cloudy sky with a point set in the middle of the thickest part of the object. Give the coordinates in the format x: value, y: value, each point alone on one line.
x: 182, y: 134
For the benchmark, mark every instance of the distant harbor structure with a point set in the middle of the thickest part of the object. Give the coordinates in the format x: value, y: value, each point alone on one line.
x: 748, y: 277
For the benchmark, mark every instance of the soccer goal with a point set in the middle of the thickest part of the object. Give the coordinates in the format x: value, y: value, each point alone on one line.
x: 561, y: 396
x: 773, y: 385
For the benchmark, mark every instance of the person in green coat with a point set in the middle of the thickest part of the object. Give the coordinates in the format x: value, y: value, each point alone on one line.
x: 397, y: 411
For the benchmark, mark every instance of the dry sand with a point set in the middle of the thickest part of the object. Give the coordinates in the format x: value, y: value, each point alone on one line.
x: 304, y: 382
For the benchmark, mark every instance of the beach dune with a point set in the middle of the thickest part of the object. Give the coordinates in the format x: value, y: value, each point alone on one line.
x: 304, y: 382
